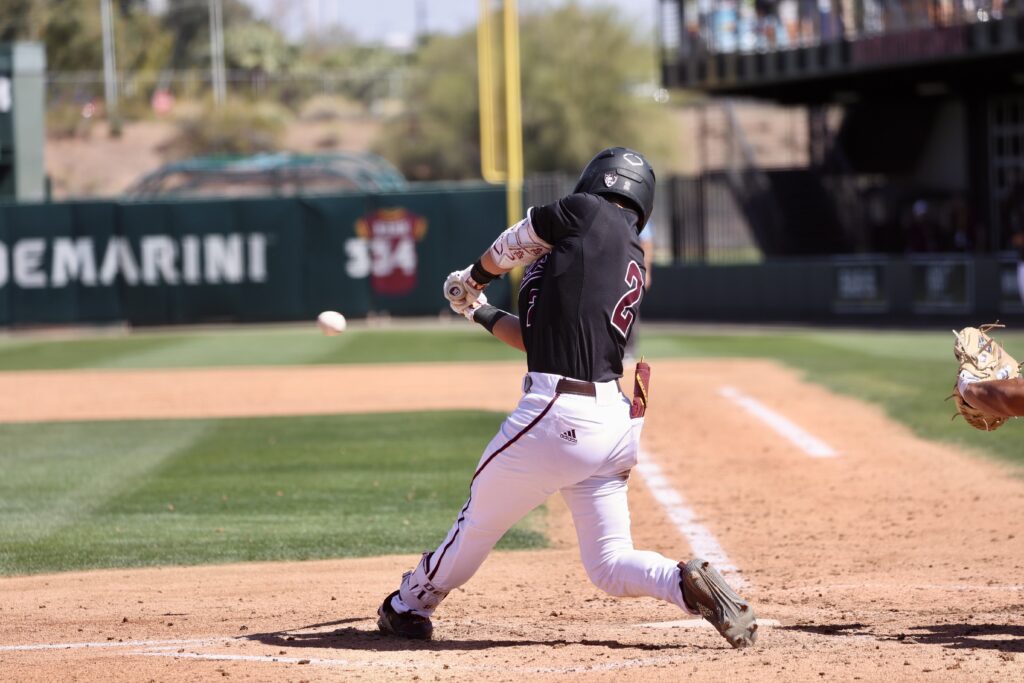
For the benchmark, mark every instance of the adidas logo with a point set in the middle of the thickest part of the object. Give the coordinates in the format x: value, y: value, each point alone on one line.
x: 569, y: 436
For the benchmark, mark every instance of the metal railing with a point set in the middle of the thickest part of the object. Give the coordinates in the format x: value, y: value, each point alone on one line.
x: 691, y: 27
x: 366, y: 85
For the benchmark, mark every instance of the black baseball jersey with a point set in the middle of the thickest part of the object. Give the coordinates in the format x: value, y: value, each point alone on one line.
x: 577, y: 304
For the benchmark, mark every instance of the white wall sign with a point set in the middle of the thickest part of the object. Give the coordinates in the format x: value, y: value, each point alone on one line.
x: 5, y: 94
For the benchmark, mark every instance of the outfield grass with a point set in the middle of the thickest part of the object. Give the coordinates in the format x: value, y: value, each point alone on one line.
x: 134, y: 493
x: 149, y: 492
x: 907, y: 373
x: 252, y: 346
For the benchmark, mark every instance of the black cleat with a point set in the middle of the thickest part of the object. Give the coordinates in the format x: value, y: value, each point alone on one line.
x: 407, y: 625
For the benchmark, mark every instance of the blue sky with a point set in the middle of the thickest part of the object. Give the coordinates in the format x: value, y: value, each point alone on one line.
x: 395, y: 21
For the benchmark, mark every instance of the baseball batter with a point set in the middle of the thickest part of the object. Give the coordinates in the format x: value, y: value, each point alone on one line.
x: 573, y: 431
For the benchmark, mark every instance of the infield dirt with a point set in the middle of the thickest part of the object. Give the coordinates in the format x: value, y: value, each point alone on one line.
x: 897, y: 560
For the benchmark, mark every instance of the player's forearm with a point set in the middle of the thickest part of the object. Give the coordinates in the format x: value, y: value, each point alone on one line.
x: 501, y: 324
x: 507, y: 330
x: 487, y: 263
x: 1001, y: 397
x: 518, y: 246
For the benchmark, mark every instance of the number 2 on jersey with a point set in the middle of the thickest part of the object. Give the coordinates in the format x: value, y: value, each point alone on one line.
x: 623, y: 315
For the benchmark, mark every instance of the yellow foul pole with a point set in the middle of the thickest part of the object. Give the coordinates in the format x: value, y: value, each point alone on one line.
x: 511, y: 172
x: 489, y: 167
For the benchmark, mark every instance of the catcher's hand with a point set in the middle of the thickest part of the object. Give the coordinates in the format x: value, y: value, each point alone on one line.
x: 981, y: 359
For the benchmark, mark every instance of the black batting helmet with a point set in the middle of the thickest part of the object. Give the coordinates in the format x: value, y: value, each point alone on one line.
x: 624, y: 173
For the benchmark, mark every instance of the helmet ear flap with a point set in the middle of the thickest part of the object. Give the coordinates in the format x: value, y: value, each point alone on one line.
x: 624, y: 173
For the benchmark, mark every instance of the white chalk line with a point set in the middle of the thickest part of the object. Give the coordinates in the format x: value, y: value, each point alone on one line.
x: 220, y: 657
x: 700, y: 623
x: 919, y: 586
x: 108, y: 644
x: 701, y: 540
x: 169, y: 649
x: 172, y: 649
x: 811, y: 445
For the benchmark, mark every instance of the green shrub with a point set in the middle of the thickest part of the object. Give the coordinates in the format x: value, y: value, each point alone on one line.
x: 329, y: 108
x: 67, y: 120
x: 237, y: 127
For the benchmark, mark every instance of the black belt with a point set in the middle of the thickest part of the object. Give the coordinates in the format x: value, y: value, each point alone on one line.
x: 575, y: 386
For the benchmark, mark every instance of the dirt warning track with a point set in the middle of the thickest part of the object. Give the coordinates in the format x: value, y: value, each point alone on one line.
x: 889, y: 559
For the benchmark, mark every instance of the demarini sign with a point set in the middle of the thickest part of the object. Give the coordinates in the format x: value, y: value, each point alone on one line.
x: 41, y: 263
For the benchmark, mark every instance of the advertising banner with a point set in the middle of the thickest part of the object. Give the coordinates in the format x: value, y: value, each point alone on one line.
x: 240, y: 260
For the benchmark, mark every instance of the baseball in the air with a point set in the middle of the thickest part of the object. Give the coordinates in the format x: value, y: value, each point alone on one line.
x: 331, y: 323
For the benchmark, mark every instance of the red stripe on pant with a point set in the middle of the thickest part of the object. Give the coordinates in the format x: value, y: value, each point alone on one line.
x: 462, y: 514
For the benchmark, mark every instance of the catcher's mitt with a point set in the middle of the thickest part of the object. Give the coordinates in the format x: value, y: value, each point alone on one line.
x: 981, y: 359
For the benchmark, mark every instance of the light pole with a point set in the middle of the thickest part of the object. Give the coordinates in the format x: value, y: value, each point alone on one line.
x: 110, y: 67
x: 218, y: 79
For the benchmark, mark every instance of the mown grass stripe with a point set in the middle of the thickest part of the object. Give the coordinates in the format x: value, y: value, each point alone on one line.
x: 309, y: 487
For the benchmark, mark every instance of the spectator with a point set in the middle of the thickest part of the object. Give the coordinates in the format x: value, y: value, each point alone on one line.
x: 1018, y: 244
x: 767, y: 23
x: 831, y: 20
x: 808, y: 22
x: 960, y: 217
x: 789, y: 16
x: 920, y: 229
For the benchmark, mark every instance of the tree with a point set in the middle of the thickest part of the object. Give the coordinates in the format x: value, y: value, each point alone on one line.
x: 580, y: 70
x: 438, y: 135
x: 189, y: 23
x: 19, y: 21
x: 131, y: 6
x: 73, y: 36
x: 143, y: 44
x: 364, y: 71
x: 257, y: 48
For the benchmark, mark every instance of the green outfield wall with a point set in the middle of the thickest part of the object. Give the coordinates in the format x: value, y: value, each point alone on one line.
x: 256, y: 260
x: 841, y: 288
x: 241, y: 260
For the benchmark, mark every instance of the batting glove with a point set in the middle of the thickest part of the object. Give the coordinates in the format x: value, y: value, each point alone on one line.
x: 461, y: 288
x: 468, y: 310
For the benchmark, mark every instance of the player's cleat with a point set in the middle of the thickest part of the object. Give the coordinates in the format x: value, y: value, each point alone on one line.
x: 706, y: 591
x: 403, y: 625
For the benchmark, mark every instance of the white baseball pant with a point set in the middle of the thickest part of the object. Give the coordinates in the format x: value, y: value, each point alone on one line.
x: 582, y: 446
